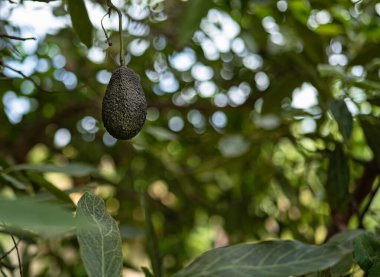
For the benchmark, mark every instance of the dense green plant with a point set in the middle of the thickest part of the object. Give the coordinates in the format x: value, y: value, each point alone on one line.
x: 259, y: 156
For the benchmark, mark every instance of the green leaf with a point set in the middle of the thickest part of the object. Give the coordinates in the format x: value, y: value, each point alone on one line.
x: 371, y: 129
x: 300, y: 10
x: 269, y: 258
x: 343, y: 117
x: 128, y: 232
x: 329, y: 29
x: 42, y: 218
x: 338, y: 179
x: 366, y: 84
x: 147, y: 272
x: 341, y: 268
x: 375, y: 269
x: 73, y: 169
x: 326, y: 70
x: 346, y: 238
x: 100, y: 246
x: 80, y: 20
x: 13, y: 181
x: 366, y: 252
x: 40, y: 181
x: 194, y: 12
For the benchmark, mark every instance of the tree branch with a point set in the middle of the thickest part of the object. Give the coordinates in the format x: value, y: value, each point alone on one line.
x: 368, y: 205
x: 44, y: 1
x: 18, y: 255
x: 16, y: 38
x: 29, y: 78
x: 9, y: 251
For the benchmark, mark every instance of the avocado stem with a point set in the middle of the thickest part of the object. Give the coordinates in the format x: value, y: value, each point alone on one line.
x: 112, y: 6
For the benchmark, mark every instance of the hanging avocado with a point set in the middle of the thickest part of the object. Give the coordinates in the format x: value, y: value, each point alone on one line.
x: 124, y: 104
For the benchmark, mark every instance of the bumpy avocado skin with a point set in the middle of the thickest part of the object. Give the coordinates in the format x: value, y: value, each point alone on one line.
x: 124, y: 104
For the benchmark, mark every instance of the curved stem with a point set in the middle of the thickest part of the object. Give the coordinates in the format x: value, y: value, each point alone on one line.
x: 104, y: 30
x: 112, y: 6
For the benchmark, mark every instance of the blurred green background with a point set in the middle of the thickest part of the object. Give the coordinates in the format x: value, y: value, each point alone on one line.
x: 262, y: 122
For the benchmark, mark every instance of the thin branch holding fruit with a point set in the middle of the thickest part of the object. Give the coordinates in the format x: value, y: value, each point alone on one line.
x: 112, y: 6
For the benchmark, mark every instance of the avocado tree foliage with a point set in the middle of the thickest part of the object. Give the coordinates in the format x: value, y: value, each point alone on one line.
x: 259, y: 155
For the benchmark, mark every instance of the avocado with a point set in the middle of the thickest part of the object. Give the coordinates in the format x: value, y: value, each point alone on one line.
x: 124, y: 105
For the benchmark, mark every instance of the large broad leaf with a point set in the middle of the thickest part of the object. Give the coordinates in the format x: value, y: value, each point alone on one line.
x: 338, y: 179
x: 371, y: 129
x: 41, y: 218
x: 343, y: 267
x: 81, y: 22
x: 270, y: 258
x: 343, y: 117
x: 193, y: 14
x: 344, y: 239
x: 100, y: 246
x: 73, y: 169
x: 367, y: 253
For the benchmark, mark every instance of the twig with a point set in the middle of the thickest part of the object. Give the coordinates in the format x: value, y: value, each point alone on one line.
x: 368, y: 205
x: 18, y: 255
x: 9, y: 251
x: 29, y: 78
x: 112, y: 6
x: 2, y: 272
x: 7, y: 266
x: 16, y: 38
x: 15, y: 246
x: 44, y: 1
x: 104, y: 30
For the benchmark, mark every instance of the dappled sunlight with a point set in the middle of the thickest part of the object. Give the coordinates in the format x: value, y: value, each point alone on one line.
x: 62, y: 137
x: 260, y: 132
